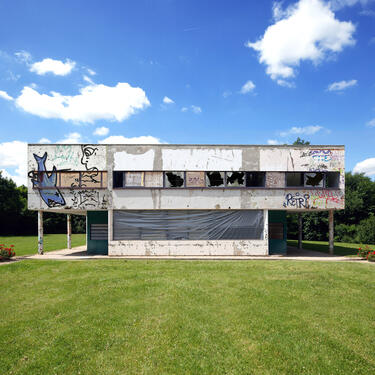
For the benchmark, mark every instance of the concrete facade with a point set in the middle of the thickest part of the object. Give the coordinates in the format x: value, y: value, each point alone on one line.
x: 53, y: 185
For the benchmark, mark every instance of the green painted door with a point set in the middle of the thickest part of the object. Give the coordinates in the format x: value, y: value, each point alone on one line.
x: 97, y: 232
x: 277, y: 232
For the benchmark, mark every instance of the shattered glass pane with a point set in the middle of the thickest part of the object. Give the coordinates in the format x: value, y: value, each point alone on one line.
x: 215, y: 179
x: 235, y: 179
x: 174, y: 179
x: 314, y: 179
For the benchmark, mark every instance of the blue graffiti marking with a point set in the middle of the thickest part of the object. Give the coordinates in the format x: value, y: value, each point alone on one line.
x: 47, y: 183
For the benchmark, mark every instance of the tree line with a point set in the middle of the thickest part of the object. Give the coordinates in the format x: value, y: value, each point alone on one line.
x: 17, y: 220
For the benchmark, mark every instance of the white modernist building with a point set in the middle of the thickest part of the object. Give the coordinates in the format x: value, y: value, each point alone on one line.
x: 185, y: 200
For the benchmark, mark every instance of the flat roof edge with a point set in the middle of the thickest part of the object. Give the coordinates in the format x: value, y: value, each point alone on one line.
x: 178, y: 144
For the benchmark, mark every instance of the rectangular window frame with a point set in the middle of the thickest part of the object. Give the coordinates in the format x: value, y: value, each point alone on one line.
x: 39, y: 176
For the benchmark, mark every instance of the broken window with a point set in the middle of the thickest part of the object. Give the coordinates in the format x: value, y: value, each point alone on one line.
x: 314, y: 179
x: 255, y: 179
x: 118, y: 179
x: 294, y: 179
x: 134, y: 179
x: 195, y: 179
x: 235, y: 179
x: 174, y: 179
x: 332, y: 179
x: 215, y: 179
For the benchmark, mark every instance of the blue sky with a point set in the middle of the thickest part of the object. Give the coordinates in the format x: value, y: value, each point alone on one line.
x: 176, y: 71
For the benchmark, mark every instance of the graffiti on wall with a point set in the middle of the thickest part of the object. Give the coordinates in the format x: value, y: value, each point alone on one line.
x: 46, y: 183
x: 85, y: 199
x: 83, y: 185
x: 315, y: 199
x: 296, y: 200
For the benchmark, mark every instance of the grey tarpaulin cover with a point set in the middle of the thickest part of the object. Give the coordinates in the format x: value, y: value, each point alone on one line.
x: 188, y: 225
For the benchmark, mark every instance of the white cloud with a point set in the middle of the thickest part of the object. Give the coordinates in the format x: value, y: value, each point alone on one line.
x: 93, y: 103
x: 23, y: 56
x: 14, y: 155
x: 88, y: 79
x: 339, y: 4
x: 307, y: 30
x: 4, y: 95
x: 227, y: 93
x: 247, y: 87
x: 193, y: 108
x: 196, y: 109
x: 101, y: 131
x: 167, y: 100
x: 273, y: 142
x: 284, y: 83
x: 120, y: 139
x: 342, y: 85
x: 44, y: 140
x: 91, y: 72
x: 56, y: 67
x: 71, y: 138
x: 366, y: 166
x: 304, y: 130
x: 371, y: 123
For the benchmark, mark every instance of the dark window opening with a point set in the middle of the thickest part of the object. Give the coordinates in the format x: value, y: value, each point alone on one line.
x: 314, y: 179
x: 235, y: 179
x: 174, y: 179
x: 215, y: 179
x: 255, y: 179
x: 118, y: 179
x: 332, y: 179
x: 294, y: 179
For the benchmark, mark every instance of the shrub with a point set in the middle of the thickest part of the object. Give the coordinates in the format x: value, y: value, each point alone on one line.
x: 345, y: 233
x: 371, y: 256
x: 366, y: 230
x: 7, y: 252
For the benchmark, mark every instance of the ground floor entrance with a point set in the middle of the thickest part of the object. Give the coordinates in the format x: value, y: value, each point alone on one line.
x: 97, y: 232
x: 277, y: 232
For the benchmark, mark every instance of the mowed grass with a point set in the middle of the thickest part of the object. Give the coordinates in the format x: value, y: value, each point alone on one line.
x: 341, y: 248
x: 187, y: 317
x: 26, y: 245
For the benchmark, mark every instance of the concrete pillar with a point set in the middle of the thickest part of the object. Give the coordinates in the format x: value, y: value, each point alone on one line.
x: 69, y: 231
x: 331, y: 231
x: 265, y: 231
x: 40, y: 232
x: 110, y: 230
x: 300, y: 231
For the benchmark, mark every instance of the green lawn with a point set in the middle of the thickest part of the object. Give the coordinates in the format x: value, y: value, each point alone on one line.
x: 341, y: 248
x: 26, y: 245
x: 187, y: 317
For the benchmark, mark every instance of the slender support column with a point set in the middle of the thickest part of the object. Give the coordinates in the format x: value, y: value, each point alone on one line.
x: 331, y: 231
x: 69, y: 231
x: 40, y: 232
x: 300, y: 230
x: 110, y: 230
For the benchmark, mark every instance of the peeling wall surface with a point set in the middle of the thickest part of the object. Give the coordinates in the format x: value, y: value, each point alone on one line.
x: 274, y: 160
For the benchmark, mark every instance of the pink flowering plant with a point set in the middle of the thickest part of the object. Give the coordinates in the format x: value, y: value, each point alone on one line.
x: 366, y: 253
x: 6, y: 252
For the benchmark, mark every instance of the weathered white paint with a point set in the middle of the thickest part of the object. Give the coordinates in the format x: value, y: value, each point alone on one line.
x: 124, y: 161
x: 280, y: 199
x: 301, y: 159
x: 189, y: 248
x: 216, y: 159
x: 71, y: 157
